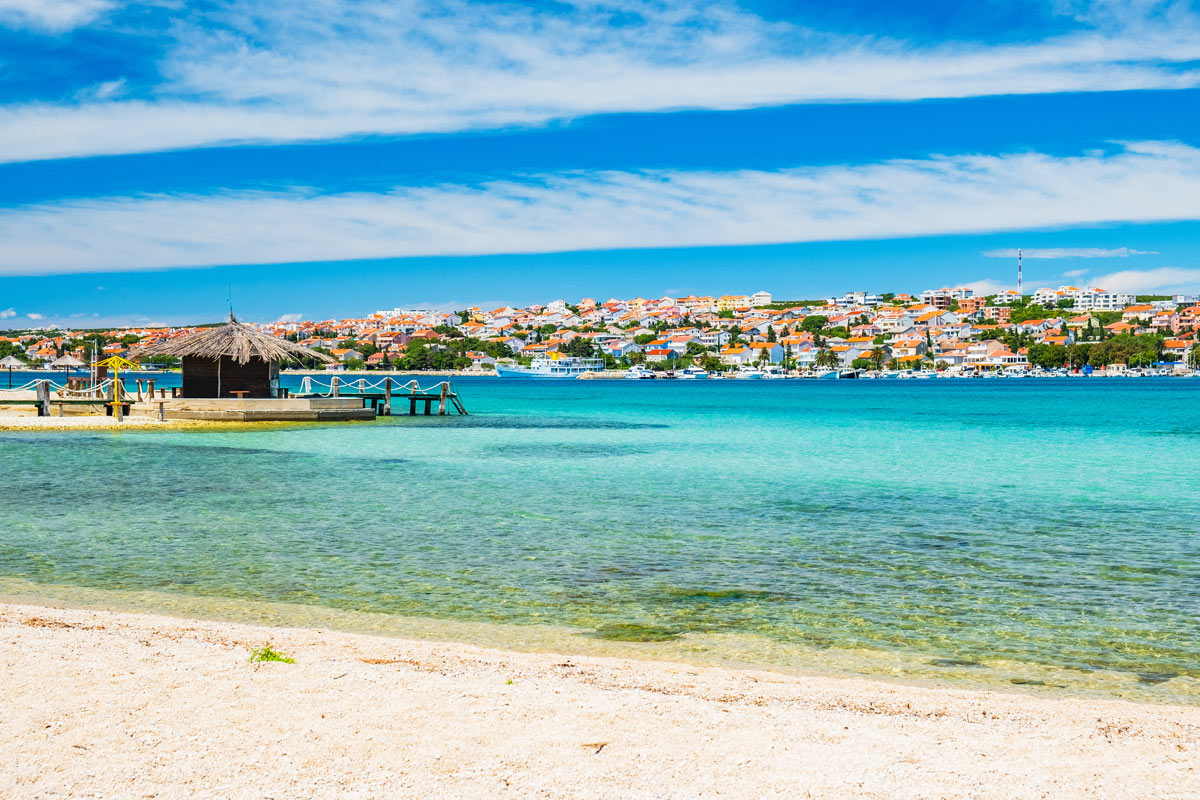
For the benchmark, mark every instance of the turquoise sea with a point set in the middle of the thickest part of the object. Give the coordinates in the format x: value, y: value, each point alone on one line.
x: 1013, y: 533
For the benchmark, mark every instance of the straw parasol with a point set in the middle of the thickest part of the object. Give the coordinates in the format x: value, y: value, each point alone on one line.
x: 68, y: 361
x: 235, y: 340
x: 10, y: 363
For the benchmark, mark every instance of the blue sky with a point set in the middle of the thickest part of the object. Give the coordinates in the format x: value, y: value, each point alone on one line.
x: 332, y: 157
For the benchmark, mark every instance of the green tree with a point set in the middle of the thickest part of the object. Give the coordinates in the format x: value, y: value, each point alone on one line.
x: 580, y: 347
x: 771, y: 334
x: 826, y: 358
x: 814, y: 323
x: 9, y: 349
x: 878, y: 356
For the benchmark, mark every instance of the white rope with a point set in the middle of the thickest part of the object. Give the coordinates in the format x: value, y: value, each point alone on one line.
x: 360, y: 386
x: 98, y: 392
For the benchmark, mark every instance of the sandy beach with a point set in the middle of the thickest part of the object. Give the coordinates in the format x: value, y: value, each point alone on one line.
x: 113, y: 704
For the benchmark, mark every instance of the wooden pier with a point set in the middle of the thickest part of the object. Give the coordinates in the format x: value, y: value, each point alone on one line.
x: 382, y: 396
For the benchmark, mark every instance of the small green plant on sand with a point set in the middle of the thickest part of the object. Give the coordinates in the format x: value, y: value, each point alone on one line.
x: 509, y: 683
x: 260, y: 654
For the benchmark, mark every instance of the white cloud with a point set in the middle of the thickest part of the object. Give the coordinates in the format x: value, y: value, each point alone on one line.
x: 988, y: 286
x: 276, y: 70
x: 52, y: 16
x: 290, y: 318
x: 1075, y: 273
x: 1165, y: 279
x: 8, y: 313
x: 34, y: 316
x: 1068, y: 252
x: 605, y: 210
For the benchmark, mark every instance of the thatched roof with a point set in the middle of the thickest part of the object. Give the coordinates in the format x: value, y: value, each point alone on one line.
x: 67, y: 360
x: 239, y: 342
x: 12, y: 362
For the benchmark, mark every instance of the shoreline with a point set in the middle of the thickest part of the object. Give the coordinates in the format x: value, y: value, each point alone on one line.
x: 735, y: 651
x: 116, y: 703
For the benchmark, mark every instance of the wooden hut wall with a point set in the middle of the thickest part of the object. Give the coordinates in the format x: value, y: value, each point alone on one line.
x: 254, y: 377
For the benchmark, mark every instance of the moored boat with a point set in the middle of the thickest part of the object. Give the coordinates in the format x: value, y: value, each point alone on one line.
x: 551, y: 368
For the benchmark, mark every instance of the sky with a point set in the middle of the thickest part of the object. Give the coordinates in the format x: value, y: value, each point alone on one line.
x: 330, y: 158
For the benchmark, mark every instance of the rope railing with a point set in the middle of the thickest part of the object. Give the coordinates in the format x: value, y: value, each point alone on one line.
x: 361, y: 386
x: 32, y: 387
x: 99, y: 391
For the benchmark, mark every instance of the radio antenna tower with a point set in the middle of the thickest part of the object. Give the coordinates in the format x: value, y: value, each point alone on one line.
x: 1019, y: 294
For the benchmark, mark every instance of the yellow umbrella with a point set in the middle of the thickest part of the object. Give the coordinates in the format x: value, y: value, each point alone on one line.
x: 116, y: 364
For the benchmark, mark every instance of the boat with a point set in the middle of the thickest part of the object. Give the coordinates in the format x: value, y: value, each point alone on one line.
x: 826, y: 374
x: 773, y: 373
x: 693, y: 374
x: 746, y: 373
x: 847, y: 374
x: 638, y: 373
x: 562, y: 367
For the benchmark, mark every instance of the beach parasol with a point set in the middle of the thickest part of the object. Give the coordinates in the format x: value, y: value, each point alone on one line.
x: 10, y: 363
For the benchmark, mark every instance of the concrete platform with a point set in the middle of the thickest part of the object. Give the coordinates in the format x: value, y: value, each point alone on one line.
x: 229, y: 409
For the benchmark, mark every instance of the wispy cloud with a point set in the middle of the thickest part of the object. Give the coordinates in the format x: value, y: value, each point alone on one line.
x: 1075, y: 273
x: 1068, y: 252
x: 276, y: 70
x: 1161, y: 279
x: 987, y: 286
x: 290, y: 317
x: 33, y: 316
x: 51, y: 15
x: 8, y: 313
x: 606, y: 210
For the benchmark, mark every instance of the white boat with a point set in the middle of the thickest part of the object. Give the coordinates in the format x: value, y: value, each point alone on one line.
x: 746, y: 373
x: 638, y: 373
x: 826, y: 374
x: 551, y: 368
x: 773, y: 373
x: 693, y: 374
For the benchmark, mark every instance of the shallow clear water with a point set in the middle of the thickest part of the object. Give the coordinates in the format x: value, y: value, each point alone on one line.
x: 1029, y: 532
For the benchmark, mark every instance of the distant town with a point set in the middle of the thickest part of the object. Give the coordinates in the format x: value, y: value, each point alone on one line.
x: 944, y: 330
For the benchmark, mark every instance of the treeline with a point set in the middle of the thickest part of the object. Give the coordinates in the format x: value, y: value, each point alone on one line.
x: 1134, y: 351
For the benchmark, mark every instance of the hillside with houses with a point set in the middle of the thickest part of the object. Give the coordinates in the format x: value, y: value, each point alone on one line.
x: 947, y: 329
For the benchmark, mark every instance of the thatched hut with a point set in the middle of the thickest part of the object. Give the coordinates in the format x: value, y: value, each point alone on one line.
x: 217, y: 362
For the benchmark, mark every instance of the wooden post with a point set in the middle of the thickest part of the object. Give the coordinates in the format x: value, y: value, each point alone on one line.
x: 442, y: 399
x: 428, y: 406
x: 150, y: 383
x: 335, y: 387
x: 387, y: 396
x: 118, y: 409
x: 139, y: 389
x: 412, y: 406
x: 161, y: 416
x: 43, y: 397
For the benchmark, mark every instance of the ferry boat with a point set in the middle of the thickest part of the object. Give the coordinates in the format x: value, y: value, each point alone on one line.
x: 563, y: 367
